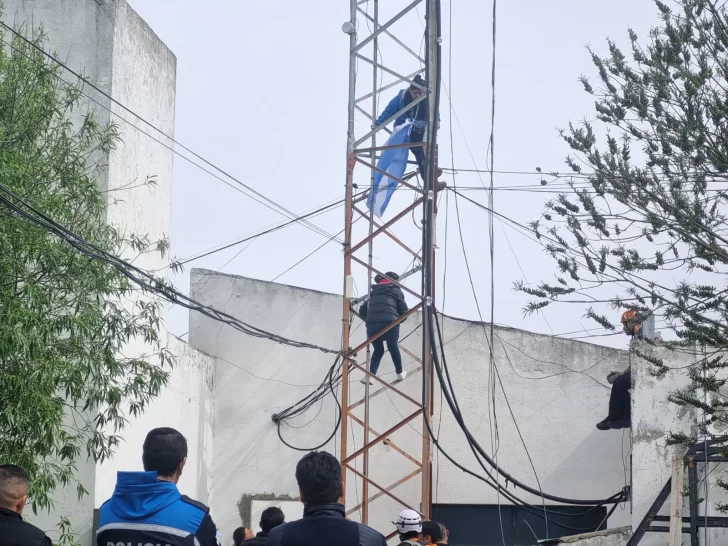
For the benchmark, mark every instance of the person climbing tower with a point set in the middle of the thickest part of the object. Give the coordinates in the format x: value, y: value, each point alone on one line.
x: 385, y: 305
x: 418, y: 114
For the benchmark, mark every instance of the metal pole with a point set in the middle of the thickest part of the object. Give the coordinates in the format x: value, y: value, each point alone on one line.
x: 373, y: 156
x: 676, y: 501
x: 428, y: 253
x: 350, y: 163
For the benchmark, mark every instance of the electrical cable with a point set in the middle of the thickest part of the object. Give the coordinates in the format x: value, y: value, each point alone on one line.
x: 278, y: 227
x: 140, y: 277
x: 273, y: 205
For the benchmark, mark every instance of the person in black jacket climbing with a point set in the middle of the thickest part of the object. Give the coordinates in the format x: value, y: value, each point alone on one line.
x: 386, y: 304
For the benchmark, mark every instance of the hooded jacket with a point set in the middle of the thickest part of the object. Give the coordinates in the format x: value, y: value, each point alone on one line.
x: 385, y: 305
x: 324, y: 525
x: 145, y: 510
x: 418, y: 112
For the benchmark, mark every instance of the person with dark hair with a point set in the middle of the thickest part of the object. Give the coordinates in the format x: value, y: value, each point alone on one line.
x: 271, y: 518
x: 14, y: 487
x: 147, y: 507
x: 433, y: 533
x: 243, y: 534
x: 324, y: 520
x: 385, y: 305
x: 418, y: 114
x: 409, y: 527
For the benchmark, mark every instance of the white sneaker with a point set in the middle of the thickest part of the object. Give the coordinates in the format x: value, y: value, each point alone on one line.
x: 366, y: 379
x: 402, y: 376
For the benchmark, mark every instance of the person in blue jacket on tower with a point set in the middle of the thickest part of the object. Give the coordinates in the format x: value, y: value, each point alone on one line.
x: 147, y: 507
x: 418, y: 113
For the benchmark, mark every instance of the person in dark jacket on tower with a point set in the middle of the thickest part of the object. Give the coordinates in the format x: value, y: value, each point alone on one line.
x: 14, y: 485
x: 270, y: 519
x: 385, y: 305
x: 324, y: 520
x: 147, y: 507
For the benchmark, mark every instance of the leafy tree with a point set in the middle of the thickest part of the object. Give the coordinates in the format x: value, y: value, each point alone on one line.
x: 642, y: 225
x: 66, y: 387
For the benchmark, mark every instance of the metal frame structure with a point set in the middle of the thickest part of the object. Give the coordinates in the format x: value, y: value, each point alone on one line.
x: 704, y: 452
x: 366, y: 30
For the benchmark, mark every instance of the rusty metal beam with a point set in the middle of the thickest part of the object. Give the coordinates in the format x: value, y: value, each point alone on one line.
x: 380, y: 391
x: 375, y: 270
x: 387, y: 225
x: 379, y: 334
x: 382, y: 436
x: 385, y: 491
x: 385, y: 173
x: 386, y: 442
x: 389, y: 147
x: 410, y: 353
x: 389, y: 234
x: 386, y: 385
x: 382, y: 489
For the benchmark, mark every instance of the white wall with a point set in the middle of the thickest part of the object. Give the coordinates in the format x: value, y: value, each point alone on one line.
x: 653, y: 419
x: 555, y: 408
x: 107, y: 42
x: 142, y: 75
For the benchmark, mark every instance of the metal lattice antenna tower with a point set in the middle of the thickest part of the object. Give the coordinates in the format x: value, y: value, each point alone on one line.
x: 363, y: 406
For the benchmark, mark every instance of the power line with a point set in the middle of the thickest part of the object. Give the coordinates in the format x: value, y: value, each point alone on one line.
x: 140, y: 277
x: 272, y: 204
x: 316, y: 212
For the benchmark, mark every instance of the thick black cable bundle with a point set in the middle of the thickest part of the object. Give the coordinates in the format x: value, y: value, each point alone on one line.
x: 446, y: 384
x: 140, y: 277
x: 329, y: 384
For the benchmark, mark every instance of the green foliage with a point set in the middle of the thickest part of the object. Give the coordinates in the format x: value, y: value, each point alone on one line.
x: 645, y: 216
x: 66, y: 320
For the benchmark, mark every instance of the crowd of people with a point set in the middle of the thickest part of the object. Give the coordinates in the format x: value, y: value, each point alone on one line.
x: 146, y: 507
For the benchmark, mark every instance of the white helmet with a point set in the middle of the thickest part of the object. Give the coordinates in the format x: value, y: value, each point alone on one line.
x: 408, y: 521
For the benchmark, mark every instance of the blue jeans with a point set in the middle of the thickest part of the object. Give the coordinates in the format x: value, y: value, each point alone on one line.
x: 392, y: 340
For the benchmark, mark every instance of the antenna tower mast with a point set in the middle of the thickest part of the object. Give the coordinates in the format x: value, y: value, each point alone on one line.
x: 376, y: 463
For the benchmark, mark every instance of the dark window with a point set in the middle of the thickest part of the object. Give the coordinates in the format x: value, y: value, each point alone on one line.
x: 480, y: 525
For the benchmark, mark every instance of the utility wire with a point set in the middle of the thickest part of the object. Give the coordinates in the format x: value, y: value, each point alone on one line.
x: 140, y: 277
x: 271, y: 204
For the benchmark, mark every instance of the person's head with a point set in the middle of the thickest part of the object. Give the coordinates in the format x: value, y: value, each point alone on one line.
x: 270, y: 518
x: 14, y: 485
x: 386, y: 277
x: 631, y: 323
x: 241, y: 534
x: 416, y: 91
x: 319, y: 478
x: 409, y: 525
x: 444, y: 534
x: 431, y: 532
x: 165, y: 452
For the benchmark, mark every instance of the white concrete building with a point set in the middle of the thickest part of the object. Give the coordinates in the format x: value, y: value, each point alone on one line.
x: 112, y: 47
x: 555, y: 387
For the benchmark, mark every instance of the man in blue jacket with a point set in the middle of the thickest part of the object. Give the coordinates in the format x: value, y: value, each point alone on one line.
x: 324, y: 520
x: 147, y: 508
x: 418, y: 114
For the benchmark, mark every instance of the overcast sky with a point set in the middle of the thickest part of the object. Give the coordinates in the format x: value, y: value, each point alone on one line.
x: 262, y: 93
